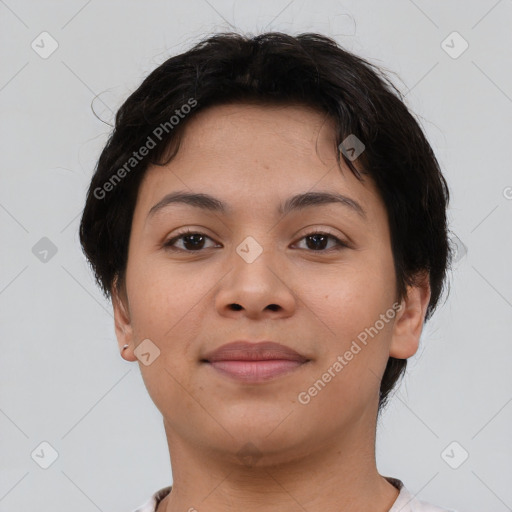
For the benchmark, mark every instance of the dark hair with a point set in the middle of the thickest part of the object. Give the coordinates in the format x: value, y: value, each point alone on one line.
x: 308, y: 69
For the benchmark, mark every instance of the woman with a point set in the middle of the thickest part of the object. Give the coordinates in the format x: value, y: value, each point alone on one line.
x: 269, y: 221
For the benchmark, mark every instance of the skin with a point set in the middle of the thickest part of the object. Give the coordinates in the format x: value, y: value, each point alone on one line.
x: 309, y: 296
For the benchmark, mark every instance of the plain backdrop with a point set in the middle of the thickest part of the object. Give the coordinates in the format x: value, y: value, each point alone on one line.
x: 446, y: 433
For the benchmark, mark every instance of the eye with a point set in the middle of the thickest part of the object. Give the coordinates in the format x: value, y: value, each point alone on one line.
x: 193, y: 241
x: 317, y: 240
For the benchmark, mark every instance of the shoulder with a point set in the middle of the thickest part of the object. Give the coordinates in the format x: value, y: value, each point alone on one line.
x: 151, y: 504
x: 407, y: 502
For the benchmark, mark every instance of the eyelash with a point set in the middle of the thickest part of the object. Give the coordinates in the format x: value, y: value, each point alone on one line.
x: 169, y: 244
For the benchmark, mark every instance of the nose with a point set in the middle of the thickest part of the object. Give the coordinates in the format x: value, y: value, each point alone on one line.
x: 256, y: 289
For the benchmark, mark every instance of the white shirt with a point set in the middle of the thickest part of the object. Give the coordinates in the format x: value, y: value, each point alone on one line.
x: 405, y: 502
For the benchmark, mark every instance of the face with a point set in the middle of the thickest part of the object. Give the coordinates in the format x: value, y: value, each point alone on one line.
x: 313, y: 275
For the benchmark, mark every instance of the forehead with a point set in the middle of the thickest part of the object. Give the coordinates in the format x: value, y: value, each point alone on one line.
x: 241, y: 136
x: 281, y: 124
x: 247, y: 154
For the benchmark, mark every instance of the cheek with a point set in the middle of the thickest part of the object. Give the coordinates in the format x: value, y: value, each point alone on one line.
x: 353, y: 356
x: 164, y: 308
x: 357, y: 320
x: 160, y: 295
x: 355, y: 296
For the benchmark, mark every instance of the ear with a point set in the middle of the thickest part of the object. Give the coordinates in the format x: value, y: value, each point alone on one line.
x: 122, y: 321
x: 410, y: 318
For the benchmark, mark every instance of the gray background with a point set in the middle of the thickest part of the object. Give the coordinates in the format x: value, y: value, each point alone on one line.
x: 62, y: 379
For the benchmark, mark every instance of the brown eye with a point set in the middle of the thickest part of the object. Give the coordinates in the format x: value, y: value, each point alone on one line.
x: 192, y: 241
x: 318, y: 241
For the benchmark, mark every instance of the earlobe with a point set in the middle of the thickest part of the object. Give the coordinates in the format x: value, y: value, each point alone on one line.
x: 122, y: 322
x: 409, y: 320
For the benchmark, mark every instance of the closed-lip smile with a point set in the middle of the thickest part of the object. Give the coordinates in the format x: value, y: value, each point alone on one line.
x: 254, y: 361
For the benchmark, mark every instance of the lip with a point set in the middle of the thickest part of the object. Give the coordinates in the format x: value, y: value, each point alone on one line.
x: 254, y: 362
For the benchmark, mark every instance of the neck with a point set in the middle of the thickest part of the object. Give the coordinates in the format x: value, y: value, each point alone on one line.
x: 340, y: 474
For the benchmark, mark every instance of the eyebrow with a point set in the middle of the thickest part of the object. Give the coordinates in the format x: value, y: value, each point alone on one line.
x: 295, y: 203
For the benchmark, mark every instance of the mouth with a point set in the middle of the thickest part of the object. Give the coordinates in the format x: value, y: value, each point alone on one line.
x: 254, y: 362
x: 255, y: 371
